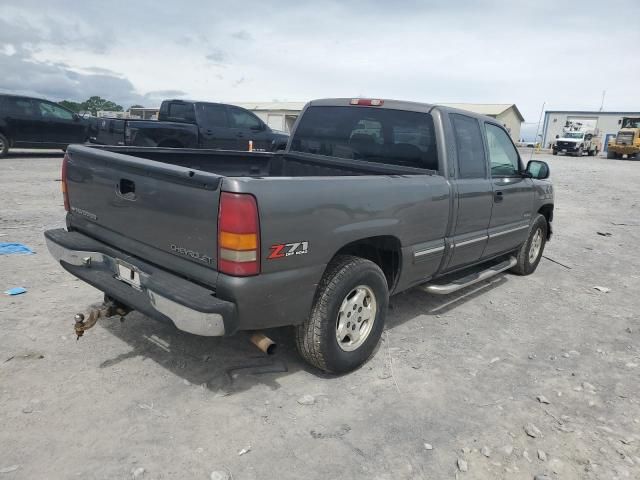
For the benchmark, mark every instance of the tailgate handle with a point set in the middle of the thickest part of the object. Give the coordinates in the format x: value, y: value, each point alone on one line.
x: 126, y: 189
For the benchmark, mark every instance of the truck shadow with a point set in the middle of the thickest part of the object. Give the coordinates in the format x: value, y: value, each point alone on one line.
x: 227, y: 366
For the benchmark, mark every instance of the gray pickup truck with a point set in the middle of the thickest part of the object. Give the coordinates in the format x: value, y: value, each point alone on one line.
x: 370, y: 198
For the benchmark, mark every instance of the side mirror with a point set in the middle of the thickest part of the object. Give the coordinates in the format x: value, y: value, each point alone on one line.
x: 278, y: 144
x: 76, y: 117
x: 538, y: 169
x: 557, y: 136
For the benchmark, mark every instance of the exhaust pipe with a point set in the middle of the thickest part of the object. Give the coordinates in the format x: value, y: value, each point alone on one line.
x: 264, y: 343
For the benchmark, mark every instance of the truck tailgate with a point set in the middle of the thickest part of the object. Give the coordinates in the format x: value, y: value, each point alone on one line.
x: 151, y: 204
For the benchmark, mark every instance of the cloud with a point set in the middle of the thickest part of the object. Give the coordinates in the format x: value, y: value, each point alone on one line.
x: 217, y: 56
x: 241, y: 35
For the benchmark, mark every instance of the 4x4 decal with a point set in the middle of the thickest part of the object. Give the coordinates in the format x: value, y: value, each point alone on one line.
x: 282, y: 250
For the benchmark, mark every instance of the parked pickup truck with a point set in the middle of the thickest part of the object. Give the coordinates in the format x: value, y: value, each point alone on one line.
x: 370, y: 198
x: 186, y: 124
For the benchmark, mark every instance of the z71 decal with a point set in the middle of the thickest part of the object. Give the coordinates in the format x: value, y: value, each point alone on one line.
x: 282, y: 250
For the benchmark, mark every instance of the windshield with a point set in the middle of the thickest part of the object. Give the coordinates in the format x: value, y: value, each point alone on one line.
x: 631, y: 123
x: 373, y: 134
x: 573, y: 135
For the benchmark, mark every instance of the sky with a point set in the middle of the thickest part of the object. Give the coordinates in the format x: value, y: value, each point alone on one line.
x: 564, y: 53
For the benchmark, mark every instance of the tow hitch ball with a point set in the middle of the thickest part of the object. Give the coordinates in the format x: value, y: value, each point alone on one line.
x: 107, y: 309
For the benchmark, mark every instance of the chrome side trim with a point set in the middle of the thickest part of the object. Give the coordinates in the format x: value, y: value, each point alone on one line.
x: 187, y: 319
x: 469, y: 242
x: 511, y: 230
x: 428, y: 251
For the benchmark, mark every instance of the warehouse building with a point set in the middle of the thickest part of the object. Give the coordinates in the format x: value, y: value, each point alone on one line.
x: 607, y: 123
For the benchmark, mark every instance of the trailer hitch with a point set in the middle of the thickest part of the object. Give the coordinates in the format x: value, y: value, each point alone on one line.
x: 108, y: 309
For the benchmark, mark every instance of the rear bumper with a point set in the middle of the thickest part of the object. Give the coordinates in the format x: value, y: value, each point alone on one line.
x: 161, y: 295
x: 624, y: 149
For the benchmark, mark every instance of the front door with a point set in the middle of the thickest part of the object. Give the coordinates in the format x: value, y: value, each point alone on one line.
x: 474, y: 196
x: 246, y: 126
x: 512, y: 194
x: 61, y: 126
x: 213, y: 126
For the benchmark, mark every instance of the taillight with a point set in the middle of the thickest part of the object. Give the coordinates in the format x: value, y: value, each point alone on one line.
x: 238, y: 235
x: 367, y: 102
x: 63, y: 183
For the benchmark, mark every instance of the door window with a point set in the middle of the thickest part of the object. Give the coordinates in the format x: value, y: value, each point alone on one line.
x: 243, y: 119
x: 471, y: 159
x: 504, y: 158
x: 212, y: 115
x: 49, y: 111
x: 179, y: 111
x: 20, y: 106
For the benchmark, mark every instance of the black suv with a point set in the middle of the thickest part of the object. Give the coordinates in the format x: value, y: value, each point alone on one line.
x: 27, y: 122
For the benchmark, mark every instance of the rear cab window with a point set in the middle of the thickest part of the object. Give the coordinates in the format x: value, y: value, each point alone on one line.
x: 181, y: 112
x: 372, y: 134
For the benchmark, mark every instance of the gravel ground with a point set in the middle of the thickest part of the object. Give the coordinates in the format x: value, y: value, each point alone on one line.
x: 516, y: 377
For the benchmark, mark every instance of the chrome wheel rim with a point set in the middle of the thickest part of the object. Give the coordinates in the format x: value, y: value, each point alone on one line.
x: 355, y: 318
x: 536, y: 245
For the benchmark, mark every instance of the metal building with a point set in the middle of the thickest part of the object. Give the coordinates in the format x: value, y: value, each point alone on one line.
x: 607, y: 123
x: 506, y: 113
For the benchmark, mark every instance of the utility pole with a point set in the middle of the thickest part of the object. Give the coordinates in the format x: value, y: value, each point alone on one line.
x: 604, y: 92
x: 538, y: 128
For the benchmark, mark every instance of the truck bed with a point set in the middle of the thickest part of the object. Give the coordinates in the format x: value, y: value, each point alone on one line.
x: 231, y: 163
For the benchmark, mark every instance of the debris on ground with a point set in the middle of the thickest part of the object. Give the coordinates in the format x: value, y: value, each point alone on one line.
x: 542, y: 456
x: 602, y: 289
x: 428, y: 446
x: 15, y: 291
x: 307, y: 400
x: 486, y: 451
x: 543, y: 399
x: 9, y: 469
x: 219, y: 475
x: 244, y: 451
x: 463, y: 466
x: 15, y: 249
x: 137, y: 473
x: 604, y: 234
x: 533, y: 431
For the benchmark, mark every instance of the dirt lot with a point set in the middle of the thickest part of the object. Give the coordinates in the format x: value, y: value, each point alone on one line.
x: 454, y: 386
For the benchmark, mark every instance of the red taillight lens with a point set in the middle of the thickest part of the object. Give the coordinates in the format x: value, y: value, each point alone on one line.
x: 367, y: 102
x: 238, y: 235
x: 63, y: 183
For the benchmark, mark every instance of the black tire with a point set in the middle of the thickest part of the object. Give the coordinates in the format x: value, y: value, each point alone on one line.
x: 4, y: 146
x: 611, y: 155
x: 579, y: 152
x: 527, y: 265
x: 590, y: 153
x: 555, y: 152
x: 316, y: 338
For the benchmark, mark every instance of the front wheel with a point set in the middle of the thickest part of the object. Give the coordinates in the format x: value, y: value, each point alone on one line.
x: 579, y: 152
x: 347, y: 317
x: 530, y: 252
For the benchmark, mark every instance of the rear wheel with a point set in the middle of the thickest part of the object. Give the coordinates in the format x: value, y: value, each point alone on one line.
x: 4, y: 146
x: 530, y: 252
x: 610, y: 154
x: 347, y: 317
x: 555, y: 152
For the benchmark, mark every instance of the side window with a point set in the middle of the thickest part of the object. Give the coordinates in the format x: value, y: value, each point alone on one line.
x: 471, y: 159
x: 502, y: 154
x: 20, y: 106
x: 243, y: 119
x: 180, y: 111
x: 49, y: 111
x: 212, y: 115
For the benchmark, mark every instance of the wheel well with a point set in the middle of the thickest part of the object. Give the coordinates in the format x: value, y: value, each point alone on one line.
x: 170, y: 144
x: 384, y: 251
x: 547, y: 211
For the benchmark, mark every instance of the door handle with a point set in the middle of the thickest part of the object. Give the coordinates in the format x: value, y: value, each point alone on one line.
x: 209, y: 132
x: 497, y: 196
x: 126, y: 189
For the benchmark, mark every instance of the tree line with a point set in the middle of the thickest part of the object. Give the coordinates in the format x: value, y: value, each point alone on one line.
x: 94, y: 104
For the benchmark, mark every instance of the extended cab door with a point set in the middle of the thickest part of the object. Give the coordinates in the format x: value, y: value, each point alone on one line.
x: 247, y: 126
x: 512, y: 193
x: 474, y: 195
x: 213, y: 127
x: 61, y: 126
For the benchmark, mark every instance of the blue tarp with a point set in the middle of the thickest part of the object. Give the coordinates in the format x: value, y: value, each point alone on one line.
x: 15, y: 249
x: 16, y: 291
